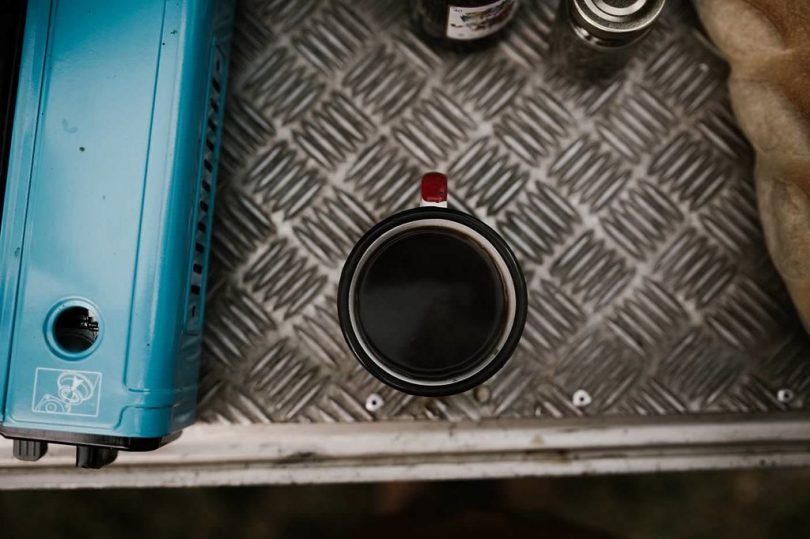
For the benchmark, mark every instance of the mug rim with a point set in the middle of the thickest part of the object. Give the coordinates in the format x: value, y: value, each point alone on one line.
x: 500, y: 246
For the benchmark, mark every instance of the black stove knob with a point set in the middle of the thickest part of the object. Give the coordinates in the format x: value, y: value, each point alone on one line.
x: 29, y: 450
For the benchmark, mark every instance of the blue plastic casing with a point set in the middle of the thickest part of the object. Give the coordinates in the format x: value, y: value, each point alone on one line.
x: 109, y: 199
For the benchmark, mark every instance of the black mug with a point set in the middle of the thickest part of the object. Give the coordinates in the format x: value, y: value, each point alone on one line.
x: 431, y: 300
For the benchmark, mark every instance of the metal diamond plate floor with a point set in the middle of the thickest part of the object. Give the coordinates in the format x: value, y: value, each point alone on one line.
x: 630, y: 204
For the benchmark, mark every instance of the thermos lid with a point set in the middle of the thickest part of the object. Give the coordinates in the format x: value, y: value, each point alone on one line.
x: 616, y: 19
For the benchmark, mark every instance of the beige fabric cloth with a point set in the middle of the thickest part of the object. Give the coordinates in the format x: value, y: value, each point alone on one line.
x: 767, y: 43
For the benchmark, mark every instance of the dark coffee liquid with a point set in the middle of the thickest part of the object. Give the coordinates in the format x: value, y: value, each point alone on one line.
x: 430, y: 303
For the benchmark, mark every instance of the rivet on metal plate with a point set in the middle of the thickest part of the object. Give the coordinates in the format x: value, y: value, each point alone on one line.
x: 374, y: 402
x: 581, y: 398
x: 482, y: 394
x: 784, y: 395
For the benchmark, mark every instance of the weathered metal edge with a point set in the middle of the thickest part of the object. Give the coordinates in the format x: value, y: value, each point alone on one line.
x: 209, y: 455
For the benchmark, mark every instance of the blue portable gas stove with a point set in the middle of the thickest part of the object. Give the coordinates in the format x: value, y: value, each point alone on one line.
x: 109, y: 158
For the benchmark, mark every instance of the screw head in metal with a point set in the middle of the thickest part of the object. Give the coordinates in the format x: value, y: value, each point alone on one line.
x: 482, y: 394
x: 581, y: 398
x: 374, y: 402
x: 784, y: 396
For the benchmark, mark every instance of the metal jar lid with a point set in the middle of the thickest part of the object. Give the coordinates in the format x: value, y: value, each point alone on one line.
x: 622, y: 20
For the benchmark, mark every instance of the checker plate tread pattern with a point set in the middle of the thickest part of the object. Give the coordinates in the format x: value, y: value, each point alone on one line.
x: 630, y: 204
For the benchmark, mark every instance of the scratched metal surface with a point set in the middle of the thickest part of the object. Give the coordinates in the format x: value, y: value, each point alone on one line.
x: 630, y: 204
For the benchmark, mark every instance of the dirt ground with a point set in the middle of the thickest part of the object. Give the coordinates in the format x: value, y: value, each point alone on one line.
x: 740, y: 505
